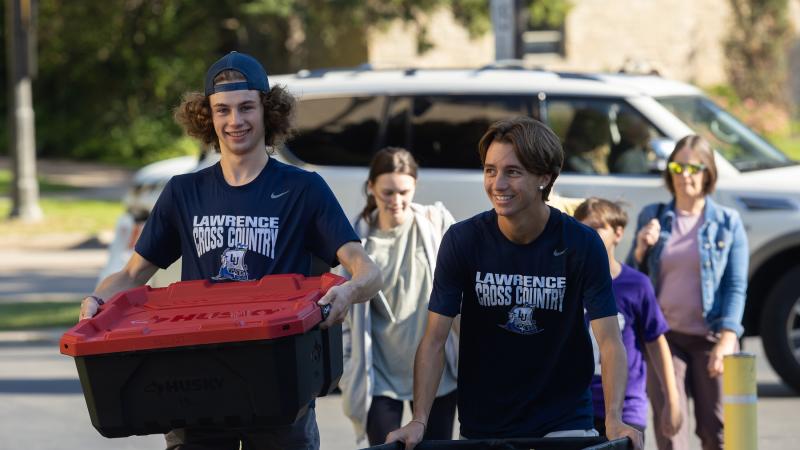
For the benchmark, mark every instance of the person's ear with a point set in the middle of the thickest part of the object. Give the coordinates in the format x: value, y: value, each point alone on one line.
x: 544, y: 180
x: 618, y: 233
x: 370, y: 187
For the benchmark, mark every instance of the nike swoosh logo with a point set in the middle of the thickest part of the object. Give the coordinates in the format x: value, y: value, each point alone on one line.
x: 557, y: 252
x: 274, y: 195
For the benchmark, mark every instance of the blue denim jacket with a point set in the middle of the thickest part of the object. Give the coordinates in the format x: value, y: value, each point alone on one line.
x: 723, y: 261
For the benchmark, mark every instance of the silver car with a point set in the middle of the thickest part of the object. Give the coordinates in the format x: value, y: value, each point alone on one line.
x: 617, y: 131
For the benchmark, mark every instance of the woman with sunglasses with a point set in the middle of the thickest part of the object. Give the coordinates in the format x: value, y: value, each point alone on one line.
x: 695, y: 253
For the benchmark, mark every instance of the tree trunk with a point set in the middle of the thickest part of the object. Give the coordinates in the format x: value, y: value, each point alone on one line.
x: 22, y: 141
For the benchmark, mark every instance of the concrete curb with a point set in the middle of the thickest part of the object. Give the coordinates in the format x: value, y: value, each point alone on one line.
x: 41, y: 336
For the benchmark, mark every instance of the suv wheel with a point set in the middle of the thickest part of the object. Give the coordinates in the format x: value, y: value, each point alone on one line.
x: 780, y: 328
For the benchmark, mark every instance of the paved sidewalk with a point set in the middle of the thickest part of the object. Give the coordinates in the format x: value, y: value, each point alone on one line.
x: 99, y: 181
x: 49, y: 274
x: 58, y: 266
x: 49, y: 336
x: 42, y: 407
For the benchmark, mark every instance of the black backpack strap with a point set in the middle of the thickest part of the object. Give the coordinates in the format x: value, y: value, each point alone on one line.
x: 643, y: 266
x: 660, y: 210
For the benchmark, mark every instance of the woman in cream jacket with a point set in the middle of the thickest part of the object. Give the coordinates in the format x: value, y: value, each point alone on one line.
x: 381, y: 336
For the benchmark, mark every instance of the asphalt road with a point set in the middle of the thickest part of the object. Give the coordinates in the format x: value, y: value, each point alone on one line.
x: 42, y: 407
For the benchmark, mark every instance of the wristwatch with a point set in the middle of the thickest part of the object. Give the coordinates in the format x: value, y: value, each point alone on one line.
x: 97, y: 299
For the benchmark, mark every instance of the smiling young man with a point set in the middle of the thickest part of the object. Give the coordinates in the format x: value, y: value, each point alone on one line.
x: 245, y: 217
x: 521, y: 275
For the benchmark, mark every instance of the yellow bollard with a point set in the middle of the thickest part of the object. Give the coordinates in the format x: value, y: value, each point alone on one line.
x: 739, y: 402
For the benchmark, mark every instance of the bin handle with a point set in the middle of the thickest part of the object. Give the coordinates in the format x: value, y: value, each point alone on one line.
x: 326, y: 311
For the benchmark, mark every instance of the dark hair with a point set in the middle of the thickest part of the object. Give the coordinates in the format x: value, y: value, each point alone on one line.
x: 194, y: 113
x: 386, y: 160
x: 706, y: 154
x: 606, y: 211
x: 536, y: 146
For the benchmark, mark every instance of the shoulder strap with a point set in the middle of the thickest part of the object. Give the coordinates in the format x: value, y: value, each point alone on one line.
x: 643, y: 266
x: 660, y: 210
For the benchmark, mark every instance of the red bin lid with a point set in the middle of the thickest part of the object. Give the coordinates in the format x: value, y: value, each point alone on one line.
x: 201, y: 312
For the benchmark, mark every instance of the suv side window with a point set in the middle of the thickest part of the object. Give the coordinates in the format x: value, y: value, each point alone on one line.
x: 603, y: 136
x: 337, y: 131
x: 442, y: 131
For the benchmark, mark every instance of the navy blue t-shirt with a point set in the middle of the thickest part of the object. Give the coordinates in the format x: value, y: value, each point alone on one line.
x: 525, y: 358
x: 272, y: 225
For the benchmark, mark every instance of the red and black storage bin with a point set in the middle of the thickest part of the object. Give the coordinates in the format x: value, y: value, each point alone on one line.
x: 217, y: 355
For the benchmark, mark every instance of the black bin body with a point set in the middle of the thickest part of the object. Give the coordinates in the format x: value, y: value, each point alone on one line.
x: 251, y: 384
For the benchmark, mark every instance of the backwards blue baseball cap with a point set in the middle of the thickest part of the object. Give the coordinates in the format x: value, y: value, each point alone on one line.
x: 249, y: 67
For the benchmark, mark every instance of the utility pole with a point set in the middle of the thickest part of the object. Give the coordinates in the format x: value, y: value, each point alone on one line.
x: 504, y: 26
x: 21, y: 44
x: 508, y: 22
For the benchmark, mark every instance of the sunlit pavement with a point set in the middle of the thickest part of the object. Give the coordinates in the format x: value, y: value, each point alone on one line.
x: 42, y: 407
x: 49, y: 275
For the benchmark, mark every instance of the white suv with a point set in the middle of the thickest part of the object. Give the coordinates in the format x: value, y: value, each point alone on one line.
x: 617, y: 131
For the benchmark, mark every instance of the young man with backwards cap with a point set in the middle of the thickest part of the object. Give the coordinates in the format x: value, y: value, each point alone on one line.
x: 245, y: 217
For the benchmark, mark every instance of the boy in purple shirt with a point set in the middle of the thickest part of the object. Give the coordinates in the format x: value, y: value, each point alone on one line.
x: 640, y: 321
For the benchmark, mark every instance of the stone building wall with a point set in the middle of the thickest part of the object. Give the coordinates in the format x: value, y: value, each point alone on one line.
x: 396, y: 45
x: 682, y: 39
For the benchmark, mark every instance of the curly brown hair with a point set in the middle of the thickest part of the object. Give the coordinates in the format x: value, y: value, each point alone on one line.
x: 194, y: 113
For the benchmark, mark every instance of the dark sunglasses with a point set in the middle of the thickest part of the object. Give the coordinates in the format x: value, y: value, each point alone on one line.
x: 678, y: 168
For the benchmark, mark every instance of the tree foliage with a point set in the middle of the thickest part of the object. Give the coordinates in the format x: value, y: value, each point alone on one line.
x: 757, y: 50
x: 111, y: 72
x: 474, y: 14
x: 548, y: 13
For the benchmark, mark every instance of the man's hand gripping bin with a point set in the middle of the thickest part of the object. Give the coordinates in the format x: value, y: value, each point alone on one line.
x: 226, y: 355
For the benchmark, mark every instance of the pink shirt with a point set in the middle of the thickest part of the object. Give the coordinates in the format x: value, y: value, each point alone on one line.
x: 680, y: 294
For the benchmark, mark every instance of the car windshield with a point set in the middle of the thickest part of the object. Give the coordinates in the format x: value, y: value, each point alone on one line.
x: 740, y: 145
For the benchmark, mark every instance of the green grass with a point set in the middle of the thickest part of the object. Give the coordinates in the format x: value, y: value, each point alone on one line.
x: 32, y: 315
x: 44, y: 185
x: 63, y: 216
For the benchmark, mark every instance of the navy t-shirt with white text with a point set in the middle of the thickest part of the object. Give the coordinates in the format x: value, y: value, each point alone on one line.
x: 525, y: 358
x: 272, y: 225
